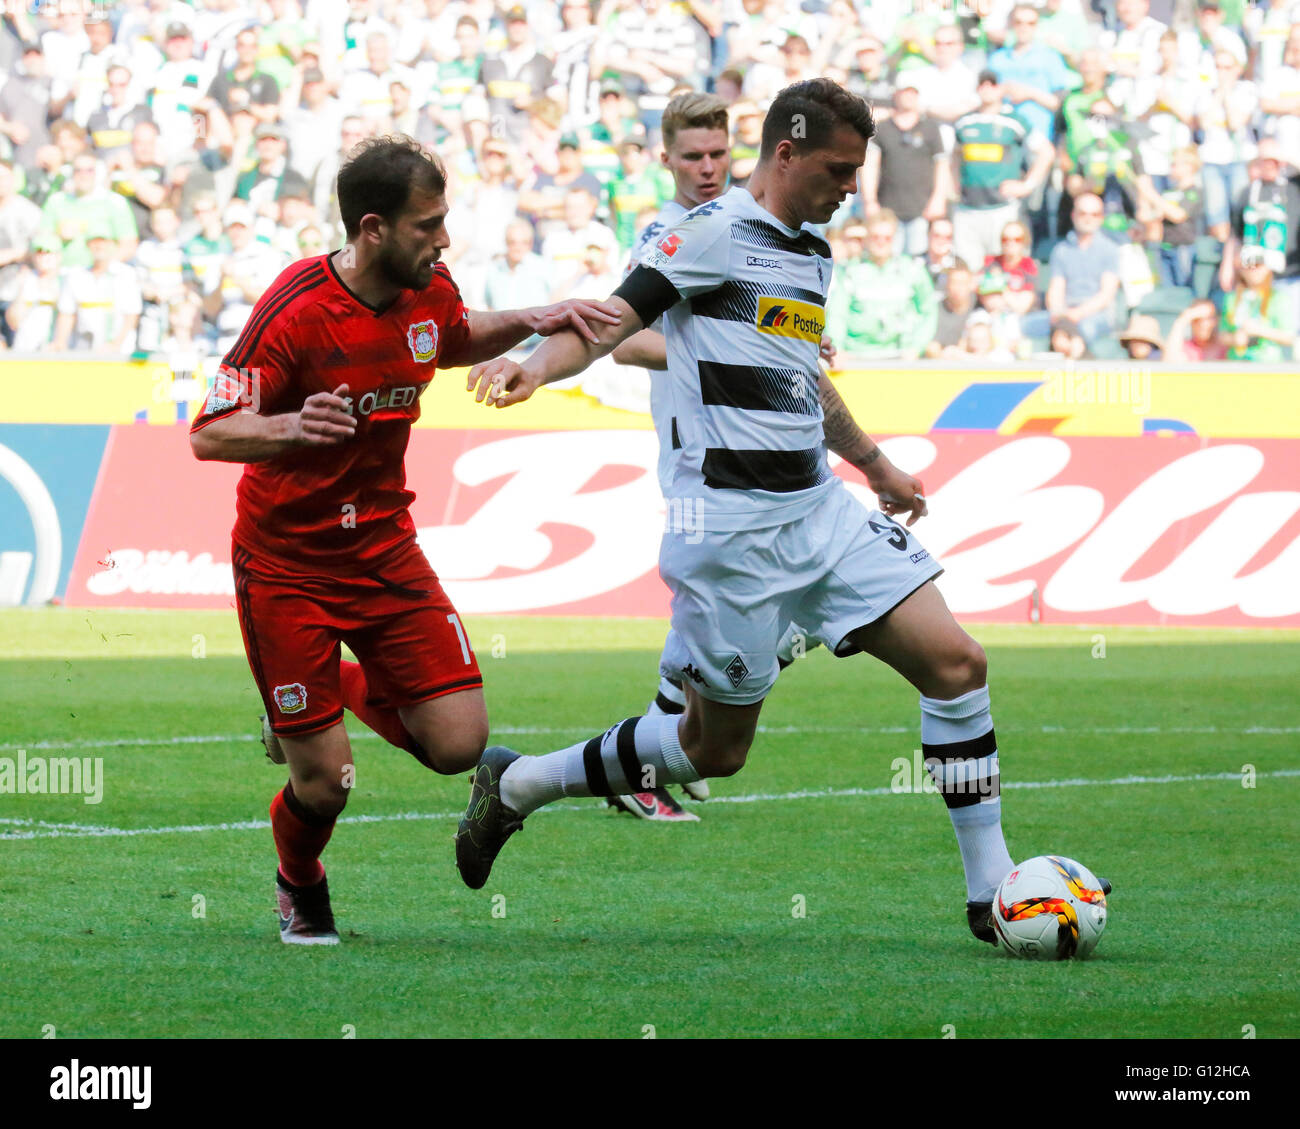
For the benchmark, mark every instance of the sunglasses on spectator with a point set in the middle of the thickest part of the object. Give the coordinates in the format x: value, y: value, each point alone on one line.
x: 1013, y: 239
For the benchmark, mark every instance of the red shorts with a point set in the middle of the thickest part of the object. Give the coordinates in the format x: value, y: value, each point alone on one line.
x: 398, y: 621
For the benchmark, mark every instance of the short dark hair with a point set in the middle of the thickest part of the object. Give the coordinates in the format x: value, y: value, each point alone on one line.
x: 378, y: 175
x: 806, y: 114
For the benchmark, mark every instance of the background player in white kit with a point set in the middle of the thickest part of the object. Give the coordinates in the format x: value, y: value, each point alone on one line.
x: 697, y: 151
x: 776, y: 537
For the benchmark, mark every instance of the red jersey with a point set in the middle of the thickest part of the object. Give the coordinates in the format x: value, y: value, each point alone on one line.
x: 1021, y: 275
x: 341, y: 510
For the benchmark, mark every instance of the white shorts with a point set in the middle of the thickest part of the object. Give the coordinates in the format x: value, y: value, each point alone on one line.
x: 838, y: 567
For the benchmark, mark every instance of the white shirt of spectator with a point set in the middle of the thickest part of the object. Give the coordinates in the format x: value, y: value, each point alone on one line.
x: 19, y: 219
x: 368, y: 94
x: 100, y: 302
x: 1199, y: 60
x: 418, y: 31
x: 258, y: 262
x: 1221, y: 146
x: 41, y: 298
x: 1133, y: 97
x: 161, y: 267
x: 172, y: 103
x: 564, y: 249
x: 1284, y: 82
x: 1136, y: 50
x: 1268, y: 32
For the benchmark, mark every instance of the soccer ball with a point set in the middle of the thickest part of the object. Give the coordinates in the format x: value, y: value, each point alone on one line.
x: 1049, y: 908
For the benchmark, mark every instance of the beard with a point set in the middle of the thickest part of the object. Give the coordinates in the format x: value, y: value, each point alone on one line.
x: 401, y: 270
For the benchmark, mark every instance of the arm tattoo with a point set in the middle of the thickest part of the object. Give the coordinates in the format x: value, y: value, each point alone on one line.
x: 843, y: 435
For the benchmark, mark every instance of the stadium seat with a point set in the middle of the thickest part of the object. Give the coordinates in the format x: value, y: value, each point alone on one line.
x: 1209, y: 254
x: 1165, y: 303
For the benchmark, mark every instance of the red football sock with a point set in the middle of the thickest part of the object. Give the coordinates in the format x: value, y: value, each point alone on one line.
x: 384, y: 720
x: 300, y: 837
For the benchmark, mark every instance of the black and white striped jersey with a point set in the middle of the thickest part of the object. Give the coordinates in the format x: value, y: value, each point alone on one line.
x: 743, y: 301
x: 660, y: 401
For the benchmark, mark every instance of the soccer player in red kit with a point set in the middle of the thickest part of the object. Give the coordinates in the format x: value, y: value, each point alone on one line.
x: 317, y: 397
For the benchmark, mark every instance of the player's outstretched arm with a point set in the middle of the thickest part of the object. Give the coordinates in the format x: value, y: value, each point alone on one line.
x: 504, y: 382
x: 898, y: 492
x: 493, y: 332
x: 325, y: 420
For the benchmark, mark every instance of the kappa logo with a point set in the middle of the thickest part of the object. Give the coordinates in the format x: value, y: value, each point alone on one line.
x: 767, y: 264
x: 693, y: 674
x: 785, y: 317
x: 669, y: 245
x: 703, y: 210
x: 422, y: 337
x: 291, y: 698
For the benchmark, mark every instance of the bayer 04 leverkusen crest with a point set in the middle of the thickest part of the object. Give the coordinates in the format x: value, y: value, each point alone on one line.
x: 422, y: 337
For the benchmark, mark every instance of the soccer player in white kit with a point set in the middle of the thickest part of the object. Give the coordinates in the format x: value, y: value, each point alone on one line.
x: 774, y: 537
x: 697, y: 151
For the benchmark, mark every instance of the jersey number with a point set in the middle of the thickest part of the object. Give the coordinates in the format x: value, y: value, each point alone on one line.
x: 899, y: 538
x: 454, y: 620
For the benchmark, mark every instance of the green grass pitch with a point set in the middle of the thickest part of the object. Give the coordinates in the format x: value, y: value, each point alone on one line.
x: 809, y: 901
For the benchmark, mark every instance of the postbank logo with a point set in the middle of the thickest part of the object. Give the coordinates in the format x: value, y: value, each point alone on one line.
x: 785, y: 317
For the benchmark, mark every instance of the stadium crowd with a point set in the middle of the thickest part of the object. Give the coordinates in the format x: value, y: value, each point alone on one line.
x: 1108, y: 180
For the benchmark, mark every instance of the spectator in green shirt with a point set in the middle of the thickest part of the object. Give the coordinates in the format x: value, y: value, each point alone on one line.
x: 883, y: 305
x: 73, y: 211
x: 1258, y: 323
x: 634, y: 190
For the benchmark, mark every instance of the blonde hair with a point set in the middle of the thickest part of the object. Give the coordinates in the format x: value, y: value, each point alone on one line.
x: 882, y: 217
x: 693, y: 111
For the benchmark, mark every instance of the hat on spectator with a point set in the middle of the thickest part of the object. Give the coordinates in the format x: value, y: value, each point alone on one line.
x: 33, y: 47
x: 1215, y: 4
x: 517, y: 14
x: 313, y: 74
x: 1143, y: 327
x: 270, y: 129
x: 237, y: 212
x: 96, y: 16
x: 99, y: 231
x: 609, y: 86
x: 987, y: 76
x: 179, y: 30
x: 47, y: 241
x: 1250, y: 256
x: 979, y: 317
x: 992, y: 282
x: 907, y: 81
x: 569, y: 141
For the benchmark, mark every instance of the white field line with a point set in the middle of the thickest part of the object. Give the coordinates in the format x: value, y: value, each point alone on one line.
x: 43, y: 829
x: 779, y: 730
